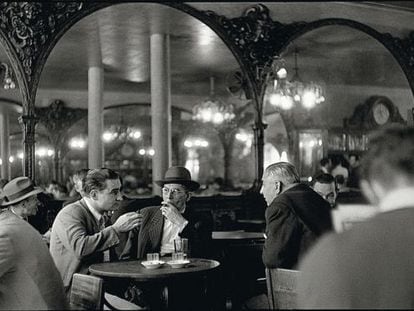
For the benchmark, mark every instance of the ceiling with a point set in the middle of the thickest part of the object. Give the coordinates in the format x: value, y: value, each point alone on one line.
x: 334, y: 55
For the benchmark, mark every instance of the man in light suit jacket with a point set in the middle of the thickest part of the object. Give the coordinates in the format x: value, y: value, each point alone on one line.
x: 370, y: 266
x: 80, y: 236
x: 29, y: 279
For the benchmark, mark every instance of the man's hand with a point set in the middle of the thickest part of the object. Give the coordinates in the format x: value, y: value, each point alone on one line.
x: 172, y: 214
x: 127, y: 222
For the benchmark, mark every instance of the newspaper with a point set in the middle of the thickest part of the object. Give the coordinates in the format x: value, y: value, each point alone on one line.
x: 346, y: 215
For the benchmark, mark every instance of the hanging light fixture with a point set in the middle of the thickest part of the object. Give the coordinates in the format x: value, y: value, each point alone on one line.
x: 212, y: 110
x: 284, y: 94
x: 121, y: 131
x: 8, y: 82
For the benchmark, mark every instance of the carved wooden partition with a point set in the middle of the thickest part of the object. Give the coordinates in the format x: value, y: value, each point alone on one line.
x: 30, y: 30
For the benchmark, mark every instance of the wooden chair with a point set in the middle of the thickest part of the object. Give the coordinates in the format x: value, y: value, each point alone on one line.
x: 281, y: 288
x: 86, y: 292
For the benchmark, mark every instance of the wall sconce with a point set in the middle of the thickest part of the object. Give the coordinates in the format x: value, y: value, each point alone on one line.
x: 8, y: 82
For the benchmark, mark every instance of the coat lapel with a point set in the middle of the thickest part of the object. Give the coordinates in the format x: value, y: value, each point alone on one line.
x: 156, y: 227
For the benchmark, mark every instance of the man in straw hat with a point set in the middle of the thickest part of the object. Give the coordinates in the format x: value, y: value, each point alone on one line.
x: 28, y: 276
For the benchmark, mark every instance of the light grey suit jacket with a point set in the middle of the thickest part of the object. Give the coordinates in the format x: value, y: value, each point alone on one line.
x: 370, y: 266
x: 29, y: 279
x: 76, y: 241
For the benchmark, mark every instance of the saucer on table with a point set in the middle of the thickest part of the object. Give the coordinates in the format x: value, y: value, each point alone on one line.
x: 152, y: 264
x: 178, y: 263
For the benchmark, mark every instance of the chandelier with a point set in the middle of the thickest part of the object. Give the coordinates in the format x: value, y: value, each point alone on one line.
x: 8, y: 82
x: 284, y: 94
x: 212, y: 110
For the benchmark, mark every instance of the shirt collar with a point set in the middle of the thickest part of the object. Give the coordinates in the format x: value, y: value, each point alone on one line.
x: 94, y: 212
x: 398, y: 198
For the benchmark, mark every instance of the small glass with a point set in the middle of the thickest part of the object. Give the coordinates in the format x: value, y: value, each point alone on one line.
x: 181, y: 247
x: 178, y: 256
x: 153, y: 257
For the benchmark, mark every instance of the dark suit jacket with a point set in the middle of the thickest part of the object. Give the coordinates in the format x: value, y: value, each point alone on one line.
x: 370, y: 266
x: 198, y: 232
x: 294, y: 220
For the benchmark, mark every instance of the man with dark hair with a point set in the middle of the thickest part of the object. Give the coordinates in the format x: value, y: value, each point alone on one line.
x: 79, y: 235
x: 370, y: 265
x: 325, y: 186
x: 354, y: 171
x: 325, y: 166
x: 295, y: 217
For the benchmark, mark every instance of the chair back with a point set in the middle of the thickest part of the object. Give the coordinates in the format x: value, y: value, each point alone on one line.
x: 282, y: 288
x: 86, y: 292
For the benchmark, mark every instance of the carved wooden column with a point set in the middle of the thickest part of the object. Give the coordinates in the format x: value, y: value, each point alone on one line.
x: 28, y: 123
x: 4, y: 141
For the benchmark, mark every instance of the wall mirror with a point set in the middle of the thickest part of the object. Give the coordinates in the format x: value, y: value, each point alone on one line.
x: 11, y: 151
x: 119, y: 38
x: 351, y: 67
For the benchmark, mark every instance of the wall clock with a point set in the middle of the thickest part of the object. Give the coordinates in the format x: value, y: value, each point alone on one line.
x: 381, y: 113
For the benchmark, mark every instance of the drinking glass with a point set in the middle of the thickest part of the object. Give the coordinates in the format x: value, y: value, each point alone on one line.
x: 181, y: 247
x: 153, y: 257
x: 178, y: 256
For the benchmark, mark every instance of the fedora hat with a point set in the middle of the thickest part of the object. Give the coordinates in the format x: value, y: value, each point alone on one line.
x: 17, y: 190
x: 178, y: 175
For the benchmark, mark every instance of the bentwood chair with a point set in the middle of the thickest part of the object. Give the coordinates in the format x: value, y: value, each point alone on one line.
x: 282, y: 288
x: 86, y: 292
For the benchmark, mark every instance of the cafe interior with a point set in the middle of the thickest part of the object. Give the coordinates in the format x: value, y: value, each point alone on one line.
x: 222, y: 88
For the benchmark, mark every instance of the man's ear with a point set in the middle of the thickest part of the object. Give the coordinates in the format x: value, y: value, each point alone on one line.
x: 371, y: 190
x: 278, y: 187
x: 188, y: 196
x: 93, y: 194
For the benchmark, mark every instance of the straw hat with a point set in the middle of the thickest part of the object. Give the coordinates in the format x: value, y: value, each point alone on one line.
x: 17, y: 190
x: 178, y: 175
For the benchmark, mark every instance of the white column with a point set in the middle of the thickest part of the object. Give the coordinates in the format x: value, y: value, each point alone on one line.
x: 95, y: 117
x: 4, y: 143
x: 160, y: 106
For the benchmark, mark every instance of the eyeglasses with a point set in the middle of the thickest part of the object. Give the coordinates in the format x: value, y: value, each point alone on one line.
x: 175, y: 192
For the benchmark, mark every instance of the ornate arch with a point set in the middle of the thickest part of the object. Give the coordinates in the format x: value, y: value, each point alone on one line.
x: 30, y: 30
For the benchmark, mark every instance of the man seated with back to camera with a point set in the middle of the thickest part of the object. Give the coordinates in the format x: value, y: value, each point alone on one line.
x: 296, y: 216
x: 370, y: 265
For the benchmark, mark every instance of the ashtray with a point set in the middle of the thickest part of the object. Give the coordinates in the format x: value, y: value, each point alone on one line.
x: 178, y: 263
x: 152, y: 264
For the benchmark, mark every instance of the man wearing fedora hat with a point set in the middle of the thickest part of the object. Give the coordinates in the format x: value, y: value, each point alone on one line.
x: 161, y: 225
x: 19, y: 195
x: 29, y: 278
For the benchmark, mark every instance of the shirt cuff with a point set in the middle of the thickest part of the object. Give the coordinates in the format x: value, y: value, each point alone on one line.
x: 182, y: 226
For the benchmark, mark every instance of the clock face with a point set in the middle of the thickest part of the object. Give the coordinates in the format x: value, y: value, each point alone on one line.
x: 381, y: 113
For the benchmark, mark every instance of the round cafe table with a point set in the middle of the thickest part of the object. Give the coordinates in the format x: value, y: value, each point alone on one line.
x: 135, y: 271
